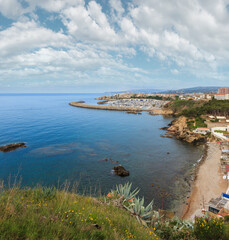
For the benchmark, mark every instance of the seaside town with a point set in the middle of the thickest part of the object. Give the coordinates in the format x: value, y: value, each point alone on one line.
x: 215, y: 125
x: 114, y: 120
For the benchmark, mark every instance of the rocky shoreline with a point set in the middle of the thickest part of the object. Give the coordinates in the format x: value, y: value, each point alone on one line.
x: 179, y: 129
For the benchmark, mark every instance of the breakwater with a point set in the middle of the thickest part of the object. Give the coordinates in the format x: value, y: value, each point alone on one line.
x: 109, y: 107
x: 152, y: 110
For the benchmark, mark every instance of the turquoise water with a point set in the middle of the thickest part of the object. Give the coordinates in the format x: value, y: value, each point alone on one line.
x: 69, y: 143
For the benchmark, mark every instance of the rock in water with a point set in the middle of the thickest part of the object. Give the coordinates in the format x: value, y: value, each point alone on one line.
x: 121, y: 171
x: 11, y: 147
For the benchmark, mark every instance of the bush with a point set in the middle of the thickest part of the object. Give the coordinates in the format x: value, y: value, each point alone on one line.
x: 175, y: 229
x: 226, y: 219
x: 209, y: 228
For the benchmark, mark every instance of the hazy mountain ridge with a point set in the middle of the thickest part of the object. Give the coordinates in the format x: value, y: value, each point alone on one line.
x: 192, y: 90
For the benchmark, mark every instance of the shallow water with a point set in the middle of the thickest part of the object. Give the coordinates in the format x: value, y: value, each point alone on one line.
x: 69, y: 143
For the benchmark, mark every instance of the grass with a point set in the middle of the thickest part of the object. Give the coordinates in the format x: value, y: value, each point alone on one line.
x: 47, y: 213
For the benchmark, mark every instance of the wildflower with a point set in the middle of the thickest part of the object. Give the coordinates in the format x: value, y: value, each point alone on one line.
x: 131, y: 200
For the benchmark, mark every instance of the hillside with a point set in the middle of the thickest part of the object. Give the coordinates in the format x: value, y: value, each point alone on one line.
x: 48, y: 213
x: 191, y: 108
x: 45, y: 213
x: 178, y: 106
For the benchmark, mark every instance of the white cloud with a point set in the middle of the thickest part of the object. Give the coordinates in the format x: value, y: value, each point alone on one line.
x: 174, y: 71
x: 27, y: 35
x: 116, y: 6
x: 11, y: 8
x: 89, y: 24
x: 54, y: 5
x: 191, y: 34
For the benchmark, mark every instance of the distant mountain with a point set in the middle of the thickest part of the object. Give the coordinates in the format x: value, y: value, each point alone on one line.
x: 192, y: 90
x: 137, y: 91
x: 179, y: 91
x: 146, y: 90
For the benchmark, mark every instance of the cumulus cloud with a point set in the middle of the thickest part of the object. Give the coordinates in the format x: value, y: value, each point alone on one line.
x: 188, y: 35
x: 11, y: 8
x: 27, y: 35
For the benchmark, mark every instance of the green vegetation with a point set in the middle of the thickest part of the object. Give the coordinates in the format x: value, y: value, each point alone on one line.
x: 125, y: 191
x: 200, y: 122
x: 48, y: 213
x: 214, y: 120
x: 209, y: 228
x: 224, y: 132
x: 213, y: 107
x: 196, y: 123
x: 152, y: 97
x: 191, y: 124
x: 191, y: 108
x: 177, y: 106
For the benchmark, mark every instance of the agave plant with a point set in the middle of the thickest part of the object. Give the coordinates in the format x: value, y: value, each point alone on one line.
x: 143, y: 214
x: 125, y: 191
x: 179, y: 224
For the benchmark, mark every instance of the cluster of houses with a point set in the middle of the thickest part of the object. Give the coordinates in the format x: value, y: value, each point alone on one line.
x: 222, y: 94
x: 219, y: 132
x: 220, y: 206
x: 220, y: 129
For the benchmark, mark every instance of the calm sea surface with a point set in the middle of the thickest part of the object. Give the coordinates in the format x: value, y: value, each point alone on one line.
x: 69, y: 143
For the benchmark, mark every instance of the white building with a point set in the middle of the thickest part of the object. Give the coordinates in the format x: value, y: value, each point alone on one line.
x: 202, y: 130
x: 221, y: 96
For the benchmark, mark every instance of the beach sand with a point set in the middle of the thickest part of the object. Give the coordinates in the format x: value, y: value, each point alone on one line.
x: 208, y: 184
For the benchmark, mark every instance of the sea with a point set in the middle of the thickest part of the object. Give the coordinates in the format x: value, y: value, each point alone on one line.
x: 68, y: 146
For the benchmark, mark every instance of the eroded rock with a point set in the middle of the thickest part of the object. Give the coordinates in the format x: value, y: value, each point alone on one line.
x: 121, y: 171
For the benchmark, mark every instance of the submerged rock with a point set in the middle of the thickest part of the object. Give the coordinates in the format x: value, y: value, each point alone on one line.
x: 121, y: 171
x: 11, y: 147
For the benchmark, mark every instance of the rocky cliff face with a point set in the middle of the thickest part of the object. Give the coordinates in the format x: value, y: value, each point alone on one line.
x: 179, y: 129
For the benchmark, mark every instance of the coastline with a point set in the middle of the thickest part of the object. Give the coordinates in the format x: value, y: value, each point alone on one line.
x: 199, y: 187
x: 207, y: 183
x: 153, y: 111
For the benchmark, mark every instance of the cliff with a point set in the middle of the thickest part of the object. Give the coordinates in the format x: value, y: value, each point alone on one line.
x: 179, y: 129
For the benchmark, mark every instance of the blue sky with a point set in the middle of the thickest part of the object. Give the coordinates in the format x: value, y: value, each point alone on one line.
x: 110, y: 45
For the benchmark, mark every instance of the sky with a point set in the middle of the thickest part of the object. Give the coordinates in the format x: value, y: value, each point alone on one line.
x: 112, y: 45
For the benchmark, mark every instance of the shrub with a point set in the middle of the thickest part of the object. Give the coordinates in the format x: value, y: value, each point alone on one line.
x: 208, y: 228
x: 142, y: 213
x: 125, y: 191
x: 226, y: 219
x: 175, y: 229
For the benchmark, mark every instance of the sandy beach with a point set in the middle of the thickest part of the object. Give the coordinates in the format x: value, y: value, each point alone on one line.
x: 208, y: 184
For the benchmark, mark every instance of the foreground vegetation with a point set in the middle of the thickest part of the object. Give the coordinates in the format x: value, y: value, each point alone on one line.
x: 45, y: 213
x: 48, y: 213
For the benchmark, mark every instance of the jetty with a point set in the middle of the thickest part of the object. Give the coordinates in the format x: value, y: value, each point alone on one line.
x: 128, y: 106
x: 107, y: 107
